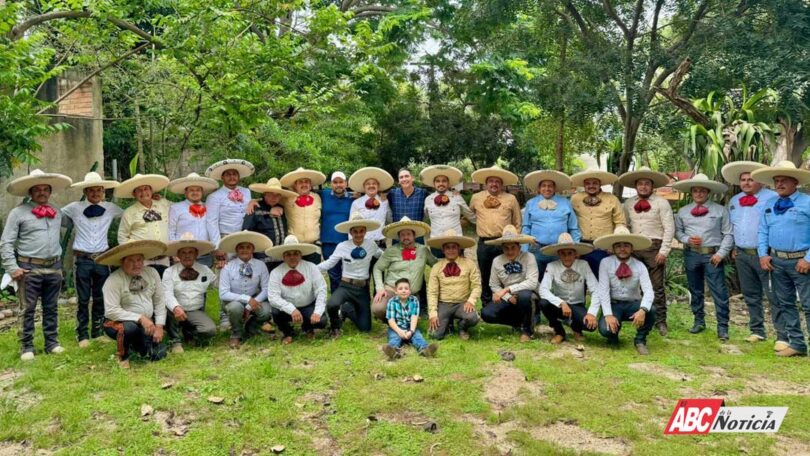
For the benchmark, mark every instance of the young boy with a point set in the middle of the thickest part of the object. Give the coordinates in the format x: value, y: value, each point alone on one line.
x: 402, y: 314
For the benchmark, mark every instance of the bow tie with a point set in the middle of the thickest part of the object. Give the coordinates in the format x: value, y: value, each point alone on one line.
x: 189, y: 274
x: 441, y: 200
x: 372, y: 203
x: 642, y: 206
x: 44, y: 211
x: 782, y: 205
x: 699, y: 210
x: 358, y: 253
x: 513, y: 267
x: 137, y: 284
x: 624, y: 271
x: 197, y: 210
x: 570, y: 276
x: 152, y: 216
x: 592, y: 201
x: 304, y: 200
x: 409, y: 254
x: 93, y: 210
x: 492, y: 202
x: 292, y: 278
x: 748, y: 200
x: 452, y: 270
x: 236, y: 196
x: 246, y: 270
x: 547, y: 204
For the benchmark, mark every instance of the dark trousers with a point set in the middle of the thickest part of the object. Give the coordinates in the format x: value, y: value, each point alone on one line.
x: 198, y: 326
x: 786, y: 283
x: 515, y: 315
x: 699, y: 271
x: 657, y: 272
x: 354, y: 303
x: 132, y: 338
x: 314, y: 257
x: 268, y: 261
x: 555, y: 317
x: 449, y: 312
x: 284, y: 320
x: 159, y: 268
x: 90, y: 277
x: 623, y: 310
x: 337, y: 271
x: 753, y: 280
x: 594, y: 258
x: 45, y: 283
x: 542, y: 260
x: 486, y: 255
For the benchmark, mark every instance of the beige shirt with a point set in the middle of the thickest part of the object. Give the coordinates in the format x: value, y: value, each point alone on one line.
x: 120, y: 304
x: 462, y: 288
x: 188, y: 294
x: 527, y: 279
x: 490, y: 222
x: 599, y: 220
x: 134, y: 227
x: 657, y: 223
x: 304, y: 222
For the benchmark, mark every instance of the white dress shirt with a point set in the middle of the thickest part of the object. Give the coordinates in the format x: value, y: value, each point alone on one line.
x: 353, y: 268
x: 120, y: 304
x: 524, y: 280
x: 381, y: 214
x: 443, y: 218
x: 91, y: 233
x: 635, y: 288
x: 236, y: 287
x: 288, y: 299
x: 181, y: 221
x: 188, y: 294
x: 223, y: 215
x: 559, y: 286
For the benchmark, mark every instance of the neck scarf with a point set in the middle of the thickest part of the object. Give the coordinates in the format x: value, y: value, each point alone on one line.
x: 642, y: 206
x: 624, y: 271
x: 196, y: 210
x: 236, y: 196
x: 94, y: 210
x: 293, y: 278
x: 44, y: 210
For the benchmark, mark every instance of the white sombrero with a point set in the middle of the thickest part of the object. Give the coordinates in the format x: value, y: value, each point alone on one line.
x: 566, y: 242
x: 21, y: 185
x: 193, y: 180
x: 622, y: 234
x: 533, y: 179
x: 605, y: 178
x: 146, y: 247
x: 243, y: 167
x: 783, y: 168
x: 94, y: 179
x: 510, y: 234
x: 290, y: 244
x: 316, y: 177
x: 731, y: 171
x: 629, y: 178
x: 450, y: 237
x: 700, y: 180
x: 359, y: 177
x: 187, y: 240
x: 392, y: 230
x: 356, y: 220
x: 260, y: 242
x: 272, y: 186
x: 156, y: 181
x: 429, y: 174
x: 482, y: 174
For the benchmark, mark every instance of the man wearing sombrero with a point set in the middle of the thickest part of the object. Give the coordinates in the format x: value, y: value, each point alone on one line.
x: 268, y: 216
x: 444, y: 208
x: 745, y: 211
x: 135, y: 301
x: 784, y: 248
x: 625, y: 291
x: 31, y: 253
x: 564, y: 287
x: 494, y: 208
x: 92, y: 219
x: 351, y: 299
x: 191, y: 215
x: 454, y: 286
x: 337, y: 207
x: 371, y: 181
x: 147, y: 218
x: 704, y: 228
x: 304, y: 211
x: 651, y: 215
x: 513, y: 281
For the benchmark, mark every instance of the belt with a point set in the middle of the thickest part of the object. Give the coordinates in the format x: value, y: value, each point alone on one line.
x: 355, y: 282
x: 38, y: 261
x: 789, y: 255
x: 702, y: 250
x: 752, y: 252
x: 81, y: 254
x: 483, y: 239
x: 586, y: 241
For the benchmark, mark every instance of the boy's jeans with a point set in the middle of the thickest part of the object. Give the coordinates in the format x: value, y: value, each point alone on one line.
x: 416, y: 340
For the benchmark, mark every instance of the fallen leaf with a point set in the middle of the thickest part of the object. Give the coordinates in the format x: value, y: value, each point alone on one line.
x: 580, y: 347
x: 507, y: 355
x: 167, y: 385
x: 216, y: 400
x: 278, y: 449
x: 418, y: 378
x: 146, y: 410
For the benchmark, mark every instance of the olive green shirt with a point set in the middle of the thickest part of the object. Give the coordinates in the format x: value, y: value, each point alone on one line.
x: 396, y: 268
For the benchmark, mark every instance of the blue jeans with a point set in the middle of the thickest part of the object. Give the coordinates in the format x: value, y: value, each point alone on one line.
x: 416, y: 340
x: 786, y: 282
x: 594, y: 258
x: 90, y: 277
x: 698, y: 271
x: 753, y: 280
x: 337, y: 271
x: 623, y: 310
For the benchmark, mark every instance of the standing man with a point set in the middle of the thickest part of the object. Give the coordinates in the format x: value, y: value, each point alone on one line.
x: 444, y: 207
x: 268, y: 217
x: 31, y: 252
x: 651, y: 215
x: 371, y: 181
x: 92, y: 219
x: 407, y: 200
x: 147, y: 218
x: 704, y: 229
x: 304, y: 211
x: 190, y: 215
x: 784, y: 248
x: 337, y: 207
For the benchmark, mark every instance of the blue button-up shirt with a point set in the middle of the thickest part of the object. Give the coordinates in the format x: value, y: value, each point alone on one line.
x: 714, y: 228
x: 789, y: 232
x: 336, y: 209
x: 547, y: 225
x: 745, y: 220
x: 411, y: 206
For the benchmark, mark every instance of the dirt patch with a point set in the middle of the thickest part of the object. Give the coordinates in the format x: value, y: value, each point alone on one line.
x: 315, y: 427
x: 503, y: 389
x: 172, y: 424
x: 660, y: 371
x: 104, y: 423
x: 566, y: 350
x: 409, y: 418
x: 21, y: 449
x: 787, y: 445
x: 22, y: 399
x: 730, y: 349
x: 769, y: 386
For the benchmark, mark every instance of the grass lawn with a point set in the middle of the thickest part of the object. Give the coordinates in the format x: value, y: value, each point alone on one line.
x: 342, y: 397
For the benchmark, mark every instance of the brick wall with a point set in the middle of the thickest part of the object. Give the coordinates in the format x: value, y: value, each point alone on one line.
x: 78, y: 103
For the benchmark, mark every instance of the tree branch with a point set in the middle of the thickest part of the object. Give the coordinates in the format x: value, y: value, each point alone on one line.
x: 18, y: 31
x: 637, y: 17
x: 611, y: 12
x: 671, y: 93
x: 699, y: 15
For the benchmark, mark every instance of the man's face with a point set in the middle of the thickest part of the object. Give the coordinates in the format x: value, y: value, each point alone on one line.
x: 748, y: 184
x: 132, y: 265
x: 494, y: 185
x: 292, y: 258
x: 547, y: 189
x: 592, y: 186
x: 511, y: 250
x: 441, y: 183
x: 644, y: 187
x: 271, y: 199
x: 94, y: 195
x: 358, y: 233
x: 302, y: 186
x: 451, y: 250
x: 143, y: 194
x: 784, y: 185
x: 700, y: 194
x: 338, y: 186
x: 187, y: 256
x: 194, y: 193
x: 622, y: 250
x: 405, y: 179
x: 244, y: 250
x: 407, y: 238
x: 403, y: 290
x: 567, y: 257
x: 371, y: 187
x: 230, y: 177
x: 40, y: 194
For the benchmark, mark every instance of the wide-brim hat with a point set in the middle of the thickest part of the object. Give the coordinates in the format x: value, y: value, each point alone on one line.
x: 260, y: 242
x: 193, y: 180
x: 605, y: 178
x: 429, y: 174
x: 480, y: 176
x: 629, y: 178
x: 356, y: 220
x: 156, y: 181
x: 272, y: 186
x: 700, y: 180
x: 566, y: 242
x: 359, y: 177
x: 146, y: 247
x: 290, y: 244
x: 187, y: 240
x: 94, y: 179
x: 392, y: 230
x: 731, y: 171
x: 622, y: 234
x: 21, y: 185
x: 243, y: 167
x: 511, y: 234
x: 451, y: 237
x: 560, y: 179
x: 783, y: 168
x: 316, y: 177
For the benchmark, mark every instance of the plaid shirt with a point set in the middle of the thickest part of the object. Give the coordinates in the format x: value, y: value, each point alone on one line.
x: 412, y: 206
x: 402, y: 314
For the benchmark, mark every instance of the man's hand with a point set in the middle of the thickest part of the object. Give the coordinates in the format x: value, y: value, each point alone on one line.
x: 251, y: 207
x: 404, y: 335
x: 147, y: 325
x: 297, y: 317
x: 612, y: 323
x: 660, y: 259
x: 590, y: 321
x: 638, y: 318
x: 434, y: 323
x: 179, y: 314
x: 380, y: 296
x: 498, y: 295
x: 19, y: 273
x: 513, y: 300
x: 254, y: 304
x: 277, y: 211
x: 733, y: 254
x: 695, y: 241
x: 566, y: 309
x: 802, y: 266
x: 158, y: 334
x: 765, y: 263
x: 315, y: 318
x: 469, y: 307
x: 219, y: 264
x: 716, y: 259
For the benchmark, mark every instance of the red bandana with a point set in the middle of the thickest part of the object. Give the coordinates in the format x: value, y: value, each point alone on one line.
x: 642, y: 206
x: 452, y: 270
x: 304, y: 200
x: 699, y: 210
x: 409, y: 254
x: 624, y: 271
x: 372, y: 203
x: 748, y: 200
x: 441, y: 200
x: 293, y: 278
x: 44, y: 211
x: 197, y: 210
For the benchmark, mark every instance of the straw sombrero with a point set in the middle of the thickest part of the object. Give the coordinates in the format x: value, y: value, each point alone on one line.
x: 290, y: 243
x: 94, y: 179
x: 429, y: 174
x: 316, y: 177
x: 700, y: 180
x: 156, y: 181
x: 243, y: 167
x: 359, y: 177
x: 731, y: 171
x: 391, y: 231
x: 511, y: 234
x: 565, y: 241
x: 783, y: 168
x: 356, y: 220
x: 449, y: 237
x: 629, y: 178
x: 272, y: 186
x: 146, y: 247
x: 533, y: 179
x: 622, y: 234
x: 187, y: 240
x: 260, y: 242
x: 193, y: 180
x: 21, y: 185
x: 605, y: 178
x: 482, y: 174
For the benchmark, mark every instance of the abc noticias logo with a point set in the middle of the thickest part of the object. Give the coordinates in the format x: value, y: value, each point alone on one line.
x: 704, y: 416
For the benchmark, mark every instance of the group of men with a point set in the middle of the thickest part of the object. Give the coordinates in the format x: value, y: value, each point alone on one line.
x: 267, y: 257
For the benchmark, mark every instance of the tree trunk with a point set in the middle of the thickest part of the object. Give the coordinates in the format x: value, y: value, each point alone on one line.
x: 139, y: 137
x: 559, y: 146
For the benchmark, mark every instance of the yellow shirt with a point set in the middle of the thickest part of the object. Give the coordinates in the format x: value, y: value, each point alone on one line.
x: 134, y: 227
x: 657, y: 223
x: 490, y: 222
x: 304, y: 222
x: 599, y: 220
x: 462, y: 288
